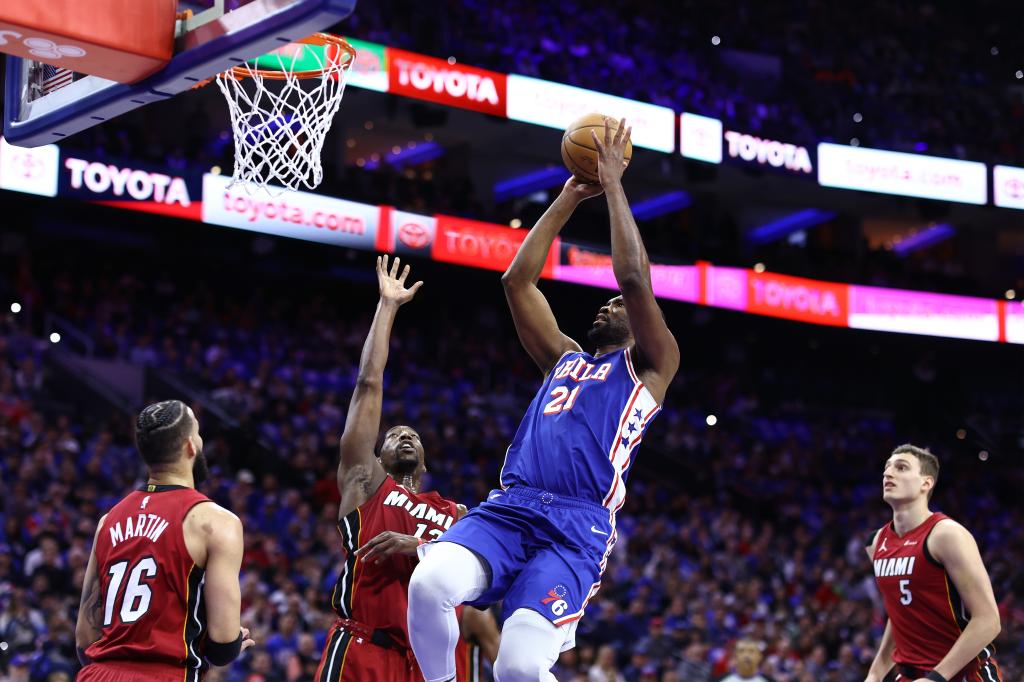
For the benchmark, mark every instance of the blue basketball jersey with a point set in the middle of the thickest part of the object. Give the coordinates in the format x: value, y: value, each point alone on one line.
x: 580, y: 433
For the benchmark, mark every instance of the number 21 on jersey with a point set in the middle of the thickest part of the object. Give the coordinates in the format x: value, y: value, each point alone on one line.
x: 563, y: 401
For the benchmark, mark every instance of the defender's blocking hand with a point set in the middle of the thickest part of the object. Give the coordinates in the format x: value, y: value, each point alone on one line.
x: 391, y: 284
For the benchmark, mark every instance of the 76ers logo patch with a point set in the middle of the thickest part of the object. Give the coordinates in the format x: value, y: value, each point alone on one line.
x: 556, y: 598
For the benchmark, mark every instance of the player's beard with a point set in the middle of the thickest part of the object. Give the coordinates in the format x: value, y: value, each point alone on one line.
x: 611, y: 333
x: 200, y: 471
x: 403, y: 467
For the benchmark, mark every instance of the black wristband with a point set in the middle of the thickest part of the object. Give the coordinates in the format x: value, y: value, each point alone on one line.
x: 932, y: 675
x: 222, y: 654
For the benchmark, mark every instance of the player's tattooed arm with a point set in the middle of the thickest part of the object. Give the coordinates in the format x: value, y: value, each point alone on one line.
x: 89, y: 625
x: 90, y: 604
x: 359, y: 471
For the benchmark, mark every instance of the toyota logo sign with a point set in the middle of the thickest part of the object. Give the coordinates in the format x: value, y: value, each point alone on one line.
x: 414, y: 235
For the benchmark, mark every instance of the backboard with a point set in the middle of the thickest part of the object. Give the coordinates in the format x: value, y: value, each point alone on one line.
x: 210, y: 42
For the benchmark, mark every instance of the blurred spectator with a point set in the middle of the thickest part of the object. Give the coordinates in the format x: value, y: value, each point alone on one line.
x: 604, y: 668
x: 18, y: 670
x: 746, y: 663
x: 657, y: 645
x: 694, y: 665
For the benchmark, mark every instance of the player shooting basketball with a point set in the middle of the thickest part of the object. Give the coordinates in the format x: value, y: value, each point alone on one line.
x: 541, y: 542
x: 383, y: 516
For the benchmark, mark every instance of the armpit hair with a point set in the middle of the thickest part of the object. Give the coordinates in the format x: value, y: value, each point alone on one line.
x: 359, y: 477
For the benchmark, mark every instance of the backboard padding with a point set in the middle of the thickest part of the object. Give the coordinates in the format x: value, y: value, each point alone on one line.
x: 212, y: 48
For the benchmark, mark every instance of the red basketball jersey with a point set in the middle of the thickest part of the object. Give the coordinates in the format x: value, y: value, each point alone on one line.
x: 923, y: 605
x: 377, y: 595
x: 151, y: 592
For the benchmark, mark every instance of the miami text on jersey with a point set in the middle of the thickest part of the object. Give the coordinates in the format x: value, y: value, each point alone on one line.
x: 903, y: 565
x: 419, y: 511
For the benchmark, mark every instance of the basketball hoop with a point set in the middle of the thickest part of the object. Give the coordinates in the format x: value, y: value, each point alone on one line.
x: 282, y: 105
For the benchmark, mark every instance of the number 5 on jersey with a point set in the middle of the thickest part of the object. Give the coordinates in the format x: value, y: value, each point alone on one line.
x: 563, y: 400
x: 905, y: 596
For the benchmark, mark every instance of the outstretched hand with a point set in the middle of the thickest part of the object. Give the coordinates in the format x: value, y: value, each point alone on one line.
x: 611, y: 152
x: 582, y: 190
x: 391, y: 284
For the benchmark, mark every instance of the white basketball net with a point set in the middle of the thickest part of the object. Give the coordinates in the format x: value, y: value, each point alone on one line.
x: 279, y: 126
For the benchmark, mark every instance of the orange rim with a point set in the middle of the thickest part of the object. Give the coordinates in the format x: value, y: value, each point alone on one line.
x: 324, y: 39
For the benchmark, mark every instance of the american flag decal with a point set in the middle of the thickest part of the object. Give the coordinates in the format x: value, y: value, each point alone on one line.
x: 54, y: 78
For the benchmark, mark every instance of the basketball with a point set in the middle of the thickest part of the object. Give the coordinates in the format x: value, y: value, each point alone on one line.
x: 578, y: 150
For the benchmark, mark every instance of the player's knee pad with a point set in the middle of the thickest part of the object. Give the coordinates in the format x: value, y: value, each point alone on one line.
x: 530, y: 645
x: 447, y: 575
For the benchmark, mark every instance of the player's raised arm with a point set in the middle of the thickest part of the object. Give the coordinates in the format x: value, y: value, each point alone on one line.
x: 535, y: 323
x: 954, y: 547
x: 656, y: 348
x: 359, y: 471
x: 89, y: 625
